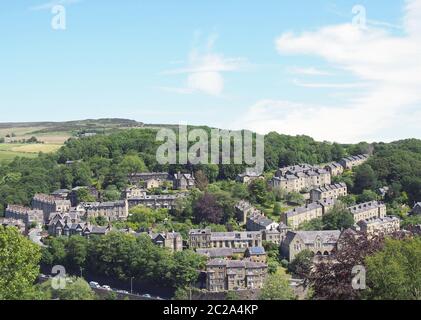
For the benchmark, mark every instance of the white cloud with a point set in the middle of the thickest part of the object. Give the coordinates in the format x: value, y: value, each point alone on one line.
x: 390, y: 64
x: 205, y: 70
x: 329, y: 85
x: 311, y: 71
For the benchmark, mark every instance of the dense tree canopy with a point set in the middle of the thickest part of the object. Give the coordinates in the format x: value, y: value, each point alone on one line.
x: 19, y: 265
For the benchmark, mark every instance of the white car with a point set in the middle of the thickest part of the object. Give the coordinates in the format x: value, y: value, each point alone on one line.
x: 107, y: 288
x: 94, y: 285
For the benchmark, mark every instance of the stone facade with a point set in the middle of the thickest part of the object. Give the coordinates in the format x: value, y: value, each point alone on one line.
x: 17, y: 223
x: 117, y: 210
x: 170, y: 240
x: 26, y: 215
x: 233, y: 275
x: 275, y: 236
x: 300, y: 178
x: 183, y: 181
x: 368, y: 210
x: 295, y: 217
x: 205, y: 238
x: 259, y: 222
x: 350, y: 162
x: 329, y: 191
x: 248, y: 177
x: 321, y: 243
x: 141, y: 198
x: 335, y: 169
x: 256, y: 254
x: 49, y: 204
x: 380, y: 226
x: 65, y: 224
x: 243, y: 210
x: 140, y: 179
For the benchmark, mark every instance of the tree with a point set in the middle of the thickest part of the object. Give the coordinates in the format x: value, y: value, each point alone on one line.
x: 258, y: 191
x: 332, y: 279
x: 276, y: 287
x: 295, y: 198
x: 302, y: 263
x: 312, y: 225
x: 394, y: 273
x: 77, y: 250
x: 277, y: 209
x: 74, y: 289
x: 201, y: 180
x: 240, y: 191
x: 132, y: 163
x: 207, y: 209
x: 338, y: 218
x: 187, y: 266
x: 367, y: 196
x: 365, y: 178
x: 19, y: 259
x: 84, y: 195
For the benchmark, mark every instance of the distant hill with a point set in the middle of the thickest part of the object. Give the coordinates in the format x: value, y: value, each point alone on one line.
x: 71, y: 126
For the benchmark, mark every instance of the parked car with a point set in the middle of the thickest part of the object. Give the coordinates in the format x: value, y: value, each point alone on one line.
x: 94, y: 285
x: 105, y: 287
x: 147, y: 296
x: 123, y: 291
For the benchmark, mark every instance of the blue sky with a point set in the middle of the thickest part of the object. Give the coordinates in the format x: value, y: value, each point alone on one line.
x: 297, y: 67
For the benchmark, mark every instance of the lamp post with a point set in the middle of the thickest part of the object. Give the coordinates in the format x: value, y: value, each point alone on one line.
x: 81, y: 272
x: 131, y: 285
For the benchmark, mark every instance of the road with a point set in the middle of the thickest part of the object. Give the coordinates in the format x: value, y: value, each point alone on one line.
x: 35, y: 236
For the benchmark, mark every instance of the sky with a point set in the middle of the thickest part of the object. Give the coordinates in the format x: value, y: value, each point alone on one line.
x: 341, y: 71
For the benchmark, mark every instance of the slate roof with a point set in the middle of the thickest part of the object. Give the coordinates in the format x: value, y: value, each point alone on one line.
x: 309, y: 237
x: 366, y: 206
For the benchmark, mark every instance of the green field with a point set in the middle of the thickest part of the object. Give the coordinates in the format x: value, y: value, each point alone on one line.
x: 9, y: 151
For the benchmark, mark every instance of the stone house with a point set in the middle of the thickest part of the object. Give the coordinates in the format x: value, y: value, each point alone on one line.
x: 300, y: 178
x: 380, y: 226
x: 329, y: 191
x: 321, y: 243
x: 248, y: 177
x: 350, y: 162
x: 116, y: 210
x: 295, y: 217
x: 158, y: 201
x: 256, y: 254
x: 233, y: 275
x: 205, y: 238
x: 221, y: 253
x: 170, y: 240
x: 17, y: 223
x: 49, y: 204
x: 64, y: 224
x: 276, y: 236
x: 183, y: 181
x: 368, y: 210
x: 139, y: 179
x: 259, y: 222
x: 243, y: 209
x: 27, y: 215
x: 335, y: 169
